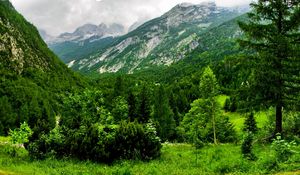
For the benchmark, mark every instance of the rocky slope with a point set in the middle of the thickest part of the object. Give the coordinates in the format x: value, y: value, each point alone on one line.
x: 161, y: 41
x: 22, y: 48
x: 91, y: 31
x: 84, y: 40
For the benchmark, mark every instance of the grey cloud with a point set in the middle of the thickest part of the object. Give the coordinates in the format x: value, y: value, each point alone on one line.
x: 58, y: 16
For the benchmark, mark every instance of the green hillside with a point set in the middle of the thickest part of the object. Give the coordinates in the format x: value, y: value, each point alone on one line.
x: 31, y: 76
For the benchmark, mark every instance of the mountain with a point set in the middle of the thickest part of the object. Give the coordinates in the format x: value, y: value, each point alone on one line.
x: 31, y: 76
x: 91, y: 31
x: 216, y: 46
x: 84, y: 41
x: 137, y: 24
x: 158, y: 42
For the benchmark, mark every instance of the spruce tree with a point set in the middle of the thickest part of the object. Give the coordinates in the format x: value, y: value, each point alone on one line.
x: 272, y: 35
x: 132, y: 106
x: 164, y: 115
x: 250, y: 124
x: 118, y: 87
x: 144, y: 105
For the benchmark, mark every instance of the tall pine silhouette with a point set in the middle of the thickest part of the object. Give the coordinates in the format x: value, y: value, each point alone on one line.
x: 272, y: 35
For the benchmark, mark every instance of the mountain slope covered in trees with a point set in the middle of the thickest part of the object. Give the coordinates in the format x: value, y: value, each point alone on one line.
x: 30, y: 74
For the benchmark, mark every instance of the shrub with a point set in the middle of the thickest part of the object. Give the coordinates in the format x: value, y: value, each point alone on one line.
x: 283, y: 149
x: 20, y: 135
x: 135, y: 141
x: 100, y: 143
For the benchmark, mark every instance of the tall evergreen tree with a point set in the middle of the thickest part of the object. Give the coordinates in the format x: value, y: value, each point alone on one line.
x: 132, y: 106
x: 163, y: 115
x: 250, y: 124
x: 144, y: 105
x: 209, y: 90
x: 273, y: 33
x: 118, y: 87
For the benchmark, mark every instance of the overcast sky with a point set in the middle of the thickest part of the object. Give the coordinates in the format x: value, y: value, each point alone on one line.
x: 58, y: 16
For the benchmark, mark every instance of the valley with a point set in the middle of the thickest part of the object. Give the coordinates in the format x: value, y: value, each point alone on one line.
x: 199, y: 89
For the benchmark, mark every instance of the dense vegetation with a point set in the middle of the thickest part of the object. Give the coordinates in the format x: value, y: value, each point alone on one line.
x: 201, y: 101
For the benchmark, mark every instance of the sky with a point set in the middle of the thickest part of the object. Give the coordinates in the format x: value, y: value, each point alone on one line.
x: 59, y: 16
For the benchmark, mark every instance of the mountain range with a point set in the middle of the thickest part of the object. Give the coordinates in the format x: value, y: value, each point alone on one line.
x: 159, y: 42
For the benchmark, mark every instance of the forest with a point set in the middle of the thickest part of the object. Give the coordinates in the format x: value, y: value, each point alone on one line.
x: 234, y: 113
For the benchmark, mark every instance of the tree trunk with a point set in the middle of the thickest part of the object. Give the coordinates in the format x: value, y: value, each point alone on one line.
x: 278, y: 119
x: 214, y: 127
x: 214, y: 121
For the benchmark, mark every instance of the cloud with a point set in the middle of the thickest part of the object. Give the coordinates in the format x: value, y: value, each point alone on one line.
x: 58, y: 16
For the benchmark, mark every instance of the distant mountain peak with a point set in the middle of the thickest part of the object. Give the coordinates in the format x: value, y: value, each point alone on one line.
x: 185, y: 4
x: 91, y: 31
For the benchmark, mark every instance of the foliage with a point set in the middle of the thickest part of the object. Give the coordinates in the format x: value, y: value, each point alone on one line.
x: 284, y: 150
x: 144, y: 110
x: 163, y: 114
x: 250, y: 124
x: 247, y: 147
x: 8, y: 117
x: 197, y: 124
x: 271, y: 39
x: 20, y: 135
x: 132, y: 106
x: 30, y: 84
x: 135, y: 141
x: 227, y: 104
x: 120, y: 109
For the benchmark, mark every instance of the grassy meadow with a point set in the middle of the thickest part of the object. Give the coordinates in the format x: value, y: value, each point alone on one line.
x: 175, y: 159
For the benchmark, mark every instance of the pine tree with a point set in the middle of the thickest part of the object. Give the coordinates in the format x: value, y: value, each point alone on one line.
x: 144, y: 105
x: 273, y: 33
x: 132, y: 106
x: 209, y: 90
x: 247, y: 147
x: 250, y: 124
x: 163, y: 115
x: 118, y: 87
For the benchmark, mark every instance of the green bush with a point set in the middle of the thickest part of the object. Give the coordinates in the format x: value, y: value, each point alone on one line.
x: 135, y: 141
x: 100, y: 143
x: 283, y: 149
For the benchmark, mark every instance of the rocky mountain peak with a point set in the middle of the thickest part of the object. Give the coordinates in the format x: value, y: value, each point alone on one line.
x: 187, y: 12
x: 88, y: 31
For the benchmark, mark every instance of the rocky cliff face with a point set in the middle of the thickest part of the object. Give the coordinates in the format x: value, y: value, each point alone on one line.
x: 21, y: 47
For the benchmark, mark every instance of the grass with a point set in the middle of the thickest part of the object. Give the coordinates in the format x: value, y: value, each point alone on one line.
x: 175, y: 159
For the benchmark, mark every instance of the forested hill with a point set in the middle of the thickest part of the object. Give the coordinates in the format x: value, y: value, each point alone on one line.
x: 31, y: 76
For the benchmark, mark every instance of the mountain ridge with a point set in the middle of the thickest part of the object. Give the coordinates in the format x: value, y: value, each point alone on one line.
x: 160, y: 41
